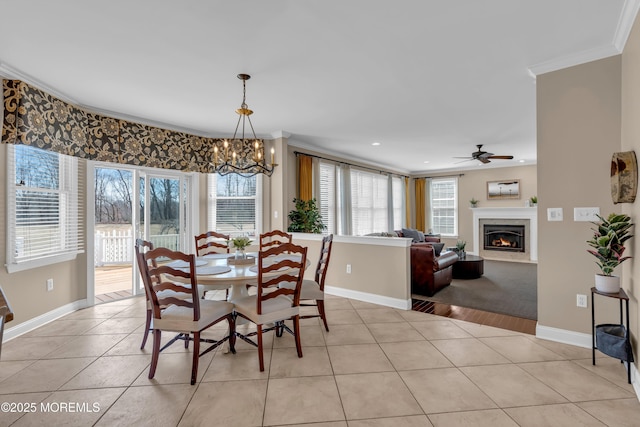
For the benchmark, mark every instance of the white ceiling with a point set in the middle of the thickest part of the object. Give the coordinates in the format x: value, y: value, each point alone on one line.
x: 426, y: 79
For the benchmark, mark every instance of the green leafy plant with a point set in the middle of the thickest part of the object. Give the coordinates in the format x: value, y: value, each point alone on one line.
x: 241, y: 242
x: 533, y: 200
x: 608, y: 241
x: 306, y: 218
x: 460, y: 245
x: 473, y: 202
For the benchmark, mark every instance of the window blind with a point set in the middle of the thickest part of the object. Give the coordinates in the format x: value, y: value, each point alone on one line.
x: 328, y: 196
x: 44, y: 214
x: 399, y: 205
x: 369, y: 203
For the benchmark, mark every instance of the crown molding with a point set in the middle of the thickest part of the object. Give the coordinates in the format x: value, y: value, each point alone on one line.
x: 625, y: 24
x: 574, y: 59
x: 9, y: 72
x: 281, y: 134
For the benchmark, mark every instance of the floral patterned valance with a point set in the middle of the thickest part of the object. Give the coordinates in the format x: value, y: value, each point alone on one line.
x: 33, y: 117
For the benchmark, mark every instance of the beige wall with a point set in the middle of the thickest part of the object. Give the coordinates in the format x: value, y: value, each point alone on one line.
x: 379, y: 265
x: 26, y: 290
x: 631, y: 142
x: 579, y: 115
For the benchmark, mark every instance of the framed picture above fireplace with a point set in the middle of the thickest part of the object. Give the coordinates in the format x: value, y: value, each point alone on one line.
x: 505, y: 189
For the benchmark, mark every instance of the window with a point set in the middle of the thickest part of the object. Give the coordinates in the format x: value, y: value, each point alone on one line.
x: 327, y: 199
x: 369, y: 202
x: 357, y: 202
x: 235, y: 204
x: 43, y: 223
x: 398, y: 205
x: 443, y: 206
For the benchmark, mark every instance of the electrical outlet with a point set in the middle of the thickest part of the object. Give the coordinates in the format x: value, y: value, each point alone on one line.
x: 348, y: 268
x: 49, y: 284
x: 581, y: 300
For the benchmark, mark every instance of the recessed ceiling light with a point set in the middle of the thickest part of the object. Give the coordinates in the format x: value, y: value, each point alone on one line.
x: 521, y: 160
x: 426, y: 161
x: 375, y: 144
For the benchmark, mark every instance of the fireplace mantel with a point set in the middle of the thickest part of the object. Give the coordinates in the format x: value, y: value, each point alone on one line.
x: 507, y: 213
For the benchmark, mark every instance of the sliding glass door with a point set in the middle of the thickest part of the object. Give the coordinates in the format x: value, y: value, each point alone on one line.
x: 132, y: 203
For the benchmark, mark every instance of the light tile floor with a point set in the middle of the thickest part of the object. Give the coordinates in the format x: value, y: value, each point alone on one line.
x: 377, y: 367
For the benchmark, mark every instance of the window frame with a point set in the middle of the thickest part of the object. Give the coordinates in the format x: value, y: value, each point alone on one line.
x: 212, y: 198
x: 69, y: 212
x: 454, y: 206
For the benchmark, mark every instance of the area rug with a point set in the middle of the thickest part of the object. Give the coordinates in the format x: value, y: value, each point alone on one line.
x: 506, y: 287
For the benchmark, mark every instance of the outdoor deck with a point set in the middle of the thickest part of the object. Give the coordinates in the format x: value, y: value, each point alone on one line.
x: 112, y: 283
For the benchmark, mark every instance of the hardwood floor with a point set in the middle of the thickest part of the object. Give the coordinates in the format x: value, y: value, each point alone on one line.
x: 502, y: 321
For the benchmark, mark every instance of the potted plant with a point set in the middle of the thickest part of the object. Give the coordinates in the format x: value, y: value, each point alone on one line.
x: 607, y: 242
x: 306, y: 218
x: 533, y: 201
x: 240, y: 243
x: 473, y: 202
x: 460, y: 245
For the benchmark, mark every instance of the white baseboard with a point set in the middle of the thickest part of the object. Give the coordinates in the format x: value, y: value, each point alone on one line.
x: 367, y: 297
x: 563, y: 336
x: 43, y: 319
x: 581, y: 340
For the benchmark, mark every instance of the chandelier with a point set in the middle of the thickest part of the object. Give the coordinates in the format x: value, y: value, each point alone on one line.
x: 241, y: 155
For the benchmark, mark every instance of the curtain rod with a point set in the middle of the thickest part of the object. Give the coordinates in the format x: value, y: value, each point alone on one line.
x: 442, y: 176
x: 350, y: 164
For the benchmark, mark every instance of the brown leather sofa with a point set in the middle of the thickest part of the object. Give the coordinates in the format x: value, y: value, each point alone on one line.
x: 429, y: 273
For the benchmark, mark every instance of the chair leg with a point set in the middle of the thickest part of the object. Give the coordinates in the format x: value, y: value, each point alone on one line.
x: 196, y: 357
x: 260, y: 355
x: 296, y: 330
x: 155, y: 353
x: 186, y: 340
x: 147, y: 327
x: 232, y: 333
x: 322, y: 313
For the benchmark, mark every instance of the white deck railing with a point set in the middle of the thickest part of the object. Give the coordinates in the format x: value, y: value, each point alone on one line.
x: 116, y: 246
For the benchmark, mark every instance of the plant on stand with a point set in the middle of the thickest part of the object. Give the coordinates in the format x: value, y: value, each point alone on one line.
x: 306, y: 218
x: 460, y: 245
x: 607, y: 242
x: 240, y: 243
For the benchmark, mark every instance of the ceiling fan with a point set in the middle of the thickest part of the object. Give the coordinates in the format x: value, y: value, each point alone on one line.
x: 483, y: 156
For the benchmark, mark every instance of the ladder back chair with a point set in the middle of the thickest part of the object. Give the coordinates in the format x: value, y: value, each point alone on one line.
x: 314, y: 289
x: 143, y: 246
x: 212, y: 242
x: 273, y: 304
x: 178, y: 308
x: 274, y: 238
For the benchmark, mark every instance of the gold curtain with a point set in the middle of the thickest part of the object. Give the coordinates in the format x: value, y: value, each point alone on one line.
x: 305, y: 177
x: 420, y: 204
x: 407, y: 203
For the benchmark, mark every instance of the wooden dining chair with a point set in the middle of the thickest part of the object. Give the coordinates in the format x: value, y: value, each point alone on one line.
x: 314, y: 289
x: 274, y: 238
x: 274, y: 304
x: 181, y: 310
x: 142, y: 246
x: 212, y: 242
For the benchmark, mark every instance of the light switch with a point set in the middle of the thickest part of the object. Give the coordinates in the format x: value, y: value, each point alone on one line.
x: 586, y: 214
x: 554, y: 214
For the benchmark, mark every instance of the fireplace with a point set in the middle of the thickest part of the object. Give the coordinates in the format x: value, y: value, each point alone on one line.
x: 525, y: 217
x: 504, y: 237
